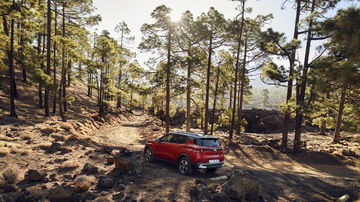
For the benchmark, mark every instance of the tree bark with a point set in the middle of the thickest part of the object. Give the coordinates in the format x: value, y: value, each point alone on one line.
x: 284, y: 141
x: 242, y: 87
x: 322, y: 127
x: 232, y: 125
x: 188, y: 93
x: 215, y: 99
x: 11, y: 69
x: 167, y: 107
x: 301, y: 97
x: 55, y: 81
x: 62, y: 81
x: 339, y: 116
x: 208, y: 85
x: 48, y: 56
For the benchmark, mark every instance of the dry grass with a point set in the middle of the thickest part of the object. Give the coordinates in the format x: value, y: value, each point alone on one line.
x: 71, y: 164
x: 22, y: 152
x: 83, y: 183
x: 4, y: 151
x: 10, y: 175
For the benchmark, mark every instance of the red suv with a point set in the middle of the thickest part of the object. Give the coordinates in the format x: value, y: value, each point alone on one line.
x: 188, y: 150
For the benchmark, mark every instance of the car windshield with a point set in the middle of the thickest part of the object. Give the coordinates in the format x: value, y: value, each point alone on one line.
x: 206, y: 142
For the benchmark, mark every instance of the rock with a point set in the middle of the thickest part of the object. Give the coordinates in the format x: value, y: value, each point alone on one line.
x: 110, y: 160
x: 348, y: 152
x: 90, y: 169
x: 200, y: 192
x: 242, y: 186
x: 54, y: 147
x: 60, y: 194
x: 129, y: 162
x: 25, y: 197
x: 58, y: 137
x: 67, y: 176
x: 9, y: 135
x: 8, y: 188
x: 5, y: 198
x: 221, y: 197
x: 118, y: 196
x: 105, y: 182
x: 106, y: 150
x: 121, y: 187
x: 220, y: 178
x: 344, y: 198
x: 47, y: 130
x: 34, y: 175
x: 65, y: 150
x: 89, y: 196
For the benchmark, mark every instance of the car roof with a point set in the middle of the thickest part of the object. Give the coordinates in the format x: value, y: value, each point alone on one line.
x: 194, y: 135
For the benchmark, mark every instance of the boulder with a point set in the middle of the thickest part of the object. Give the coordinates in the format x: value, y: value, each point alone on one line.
x: 60, y: 194
x: 54, y: 147
x: 200, y: 192
x: 348, y: 152
x: 105, y: 182
x: 242, y: 186
x: 90, y: 169
x: 129, y: 162
x: 34, y: 175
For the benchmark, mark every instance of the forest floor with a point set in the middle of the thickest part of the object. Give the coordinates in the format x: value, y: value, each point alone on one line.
x: 39, y: 155
x: 322, y: 173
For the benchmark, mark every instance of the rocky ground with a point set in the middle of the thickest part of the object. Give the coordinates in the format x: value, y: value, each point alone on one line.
x: 100, y: 160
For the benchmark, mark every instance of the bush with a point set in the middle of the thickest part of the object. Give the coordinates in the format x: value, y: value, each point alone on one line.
x: 69, y: 165
x: 4, y: 151
x: 10, y: 175
x: 83, y: 183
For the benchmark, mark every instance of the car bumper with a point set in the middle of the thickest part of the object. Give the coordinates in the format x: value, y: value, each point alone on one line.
x: 209, y: 165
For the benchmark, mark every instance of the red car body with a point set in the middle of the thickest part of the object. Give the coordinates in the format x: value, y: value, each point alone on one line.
x: 199, y: 150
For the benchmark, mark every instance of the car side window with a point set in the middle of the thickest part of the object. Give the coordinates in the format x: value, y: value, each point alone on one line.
x: 166, y: 138
x: 178, y: 139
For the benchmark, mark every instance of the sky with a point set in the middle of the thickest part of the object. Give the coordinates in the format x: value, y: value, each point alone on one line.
x: 137, y: 12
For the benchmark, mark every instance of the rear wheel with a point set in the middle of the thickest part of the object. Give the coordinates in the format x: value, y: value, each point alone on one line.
x: 148, y: 155
x: 184, y: 166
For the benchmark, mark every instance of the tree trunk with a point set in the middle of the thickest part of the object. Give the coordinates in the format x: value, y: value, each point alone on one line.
x: 188, y: 93
x: 101, y: 99
x: 11, y: 69
x: 66, y: 85
x: 118, y: 104
x: 339, y: 116
x: 48, y: 56
x: 301, y: 97
x: 232, y: 125
x: 62, y: 81
x: 167, y: 107
x: 322, y: 127
x: 284, y: 141
x: 55, y: 81
x: 208, y: 85
x: 215, y: 99
x: 242, y: 86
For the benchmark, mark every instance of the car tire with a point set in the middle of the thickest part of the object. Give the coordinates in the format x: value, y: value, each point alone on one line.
x: 211, y: 170
x: 184, y: 166
x: 148, y: 155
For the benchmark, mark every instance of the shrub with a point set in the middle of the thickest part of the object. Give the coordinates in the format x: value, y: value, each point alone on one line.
x: 83, y: 183
x: 4, y: 151
x: 69, y: 164
x: 10, y: 175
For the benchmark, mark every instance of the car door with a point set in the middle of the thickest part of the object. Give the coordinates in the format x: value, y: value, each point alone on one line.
x: 162, y: 146
x: 175, y: 149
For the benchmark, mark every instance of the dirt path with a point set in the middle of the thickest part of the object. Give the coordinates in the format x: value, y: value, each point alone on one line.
x: 283, y: 179
x: 125, y: 135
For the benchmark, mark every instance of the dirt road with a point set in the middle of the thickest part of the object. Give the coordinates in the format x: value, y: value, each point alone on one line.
x: 283, y: 178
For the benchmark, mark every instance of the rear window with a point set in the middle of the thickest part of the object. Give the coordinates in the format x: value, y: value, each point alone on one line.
x: 208, y: 142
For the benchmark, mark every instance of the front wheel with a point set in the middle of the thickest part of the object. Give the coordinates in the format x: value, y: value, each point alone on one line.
x: 148, y: 155
x: 184, y: 166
